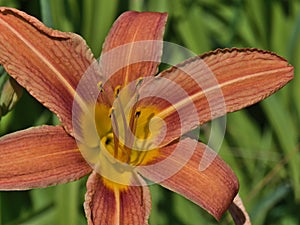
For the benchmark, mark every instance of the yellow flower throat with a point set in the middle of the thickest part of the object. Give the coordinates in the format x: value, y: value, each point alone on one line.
x: 126, y: 150
x: 126, y: 138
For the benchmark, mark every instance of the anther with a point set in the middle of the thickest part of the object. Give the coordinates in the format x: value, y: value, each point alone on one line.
x: 117, y: 91
x: 100, y: 86
x: 139, y: 81
x: 137, y: 114
x: 107, y: 141
x: 110, y: 112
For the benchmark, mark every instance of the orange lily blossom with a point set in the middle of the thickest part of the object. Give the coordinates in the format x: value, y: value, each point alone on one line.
x: 121, y: 146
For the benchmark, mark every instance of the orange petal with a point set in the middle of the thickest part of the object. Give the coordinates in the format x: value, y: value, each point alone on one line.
x: 196, y: 172
x: 48, y: 63
x: 39, y: 157
x: 206, y: 87
x: 133, y: 47
x: 104, y: 205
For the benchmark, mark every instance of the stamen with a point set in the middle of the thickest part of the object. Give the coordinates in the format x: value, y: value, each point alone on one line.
x: 115, y: 131
x: 104, y: 92
x: 129, y: 129
x: 126, y: 130
x: 100, y: 86
x: 110, y: 112
x: 139, y: 81
x: 107, y: 141
x: 117, y: 91
x: 137, y: 114
x: 142, y: 154
x: 133, y: 126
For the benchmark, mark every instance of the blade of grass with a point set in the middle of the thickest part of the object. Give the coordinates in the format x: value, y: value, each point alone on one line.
x: 285, y: 130
x: 241, y: 127
x: 9, y: 3
x: 265, y: 204
x: 281, y: 27
x: 44, y: 216
x: 67, y: 201
x: 158, y: 6
x: 74, y: 14
x: 137, y: 5
x: 193, y: 30
x: 157, y: 216
x: 46, y: 13
x: 271, y: 174
x: 294, y: 56
x: 60, y: 20
x: 98, y: 16
x: 41, y: 198
x: 187, y: 212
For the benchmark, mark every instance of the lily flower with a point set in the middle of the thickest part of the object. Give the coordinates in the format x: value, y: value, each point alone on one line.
x: 121, y: 122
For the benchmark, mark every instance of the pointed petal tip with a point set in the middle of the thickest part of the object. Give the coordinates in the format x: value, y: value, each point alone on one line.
x: 204, y: 178
x: 222, y: 81
x: 34, y: 22
x: 48, y: 63
x: 289, y: 69
x: 290, y: 72
x: 133, y: 47
x: 134, y: 13
x: 134, y: 26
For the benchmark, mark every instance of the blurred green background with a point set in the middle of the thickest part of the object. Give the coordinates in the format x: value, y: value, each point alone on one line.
x: 261, y: 142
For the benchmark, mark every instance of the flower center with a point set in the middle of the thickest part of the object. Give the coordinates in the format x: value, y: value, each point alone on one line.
x: 118, y: 137
x: 127, y: 143
x: 128, y: 134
